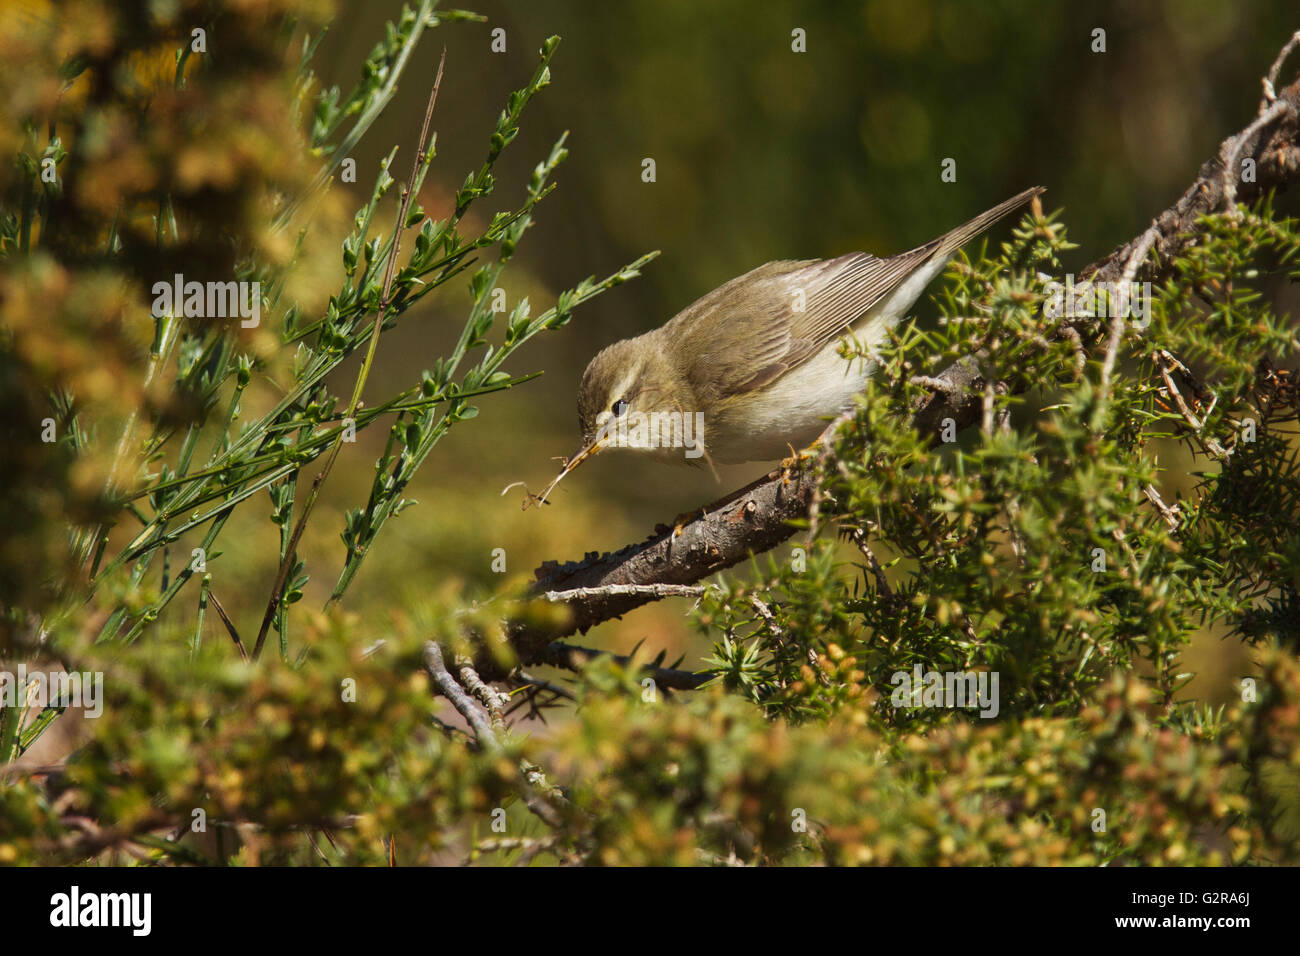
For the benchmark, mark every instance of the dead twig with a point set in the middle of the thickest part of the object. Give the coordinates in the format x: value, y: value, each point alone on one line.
x: 1166, y: 361
x: 1171, y: 514
x: 625, y: 590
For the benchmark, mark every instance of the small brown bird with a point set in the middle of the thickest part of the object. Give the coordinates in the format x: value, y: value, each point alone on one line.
x: 754, y: 368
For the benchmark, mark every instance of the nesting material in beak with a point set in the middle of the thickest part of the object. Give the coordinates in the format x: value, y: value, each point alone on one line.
x: 590, y: 449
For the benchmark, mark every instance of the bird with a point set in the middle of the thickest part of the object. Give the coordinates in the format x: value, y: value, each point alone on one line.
x: 756, y: 368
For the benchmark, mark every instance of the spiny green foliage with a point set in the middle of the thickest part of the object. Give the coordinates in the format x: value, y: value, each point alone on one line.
x: 705, y: 781
x: 1031, y: 549
x: 711, y: 781
x: 294, y: 748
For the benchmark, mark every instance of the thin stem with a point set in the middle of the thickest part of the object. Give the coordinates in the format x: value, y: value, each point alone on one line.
x: 404, y: 207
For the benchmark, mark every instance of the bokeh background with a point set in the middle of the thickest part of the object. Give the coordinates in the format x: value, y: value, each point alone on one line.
x: 762, y: 153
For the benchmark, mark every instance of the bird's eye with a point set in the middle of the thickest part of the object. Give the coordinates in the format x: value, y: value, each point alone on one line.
x: 619, y: 407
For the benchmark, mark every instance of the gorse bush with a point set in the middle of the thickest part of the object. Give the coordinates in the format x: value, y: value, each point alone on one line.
x: 1052, y: 558
x: 1038, y: 548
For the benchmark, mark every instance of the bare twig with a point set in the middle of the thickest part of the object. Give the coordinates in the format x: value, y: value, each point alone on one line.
x: 778, y: 635
x: 1271, y: 79
x: 529, y: 847
x: 1166, y: 362
x: 1121, y: 308
x: 926, y: 381
x: 625, y: 590
x: 541, y: 804
x: 1270, y: 109
x: 859, y: 537
x: 491, y: 700
x: 1276, y: 109
x: 769, y: 619
x: 465, y: 705
x: 1276, y: 151
x: 1170, y: 513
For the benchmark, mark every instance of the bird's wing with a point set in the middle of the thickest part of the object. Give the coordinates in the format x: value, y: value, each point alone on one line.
x: 838, y: 292
x: 781, y: 315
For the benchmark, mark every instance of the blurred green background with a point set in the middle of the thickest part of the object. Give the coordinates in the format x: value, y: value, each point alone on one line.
x: 762, y: 153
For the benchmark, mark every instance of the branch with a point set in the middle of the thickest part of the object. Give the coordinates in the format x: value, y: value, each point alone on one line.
x: 534, y: 790
x: 465, y: 705
x: 1275, y: 149
x: 626, y: 590
x: 749, y: 521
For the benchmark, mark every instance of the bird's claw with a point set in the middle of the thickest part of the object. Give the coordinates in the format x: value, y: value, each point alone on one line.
x: 685, y: 518
x: 788, y: 464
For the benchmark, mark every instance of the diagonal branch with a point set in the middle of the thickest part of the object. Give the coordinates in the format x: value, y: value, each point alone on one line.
x: 749, y: 521
x: 538, y: 795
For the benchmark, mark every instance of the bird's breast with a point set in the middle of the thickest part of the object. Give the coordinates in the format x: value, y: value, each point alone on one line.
x: 790, y: 413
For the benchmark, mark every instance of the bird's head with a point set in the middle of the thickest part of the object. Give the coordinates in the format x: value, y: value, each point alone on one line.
x: 625, y: 381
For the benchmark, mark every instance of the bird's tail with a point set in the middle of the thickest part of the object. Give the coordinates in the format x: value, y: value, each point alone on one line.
x: 951, y: 241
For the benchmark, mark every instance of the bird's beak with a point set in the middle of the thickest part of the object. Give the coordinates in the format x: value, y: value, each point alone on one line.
x: 591, y: 448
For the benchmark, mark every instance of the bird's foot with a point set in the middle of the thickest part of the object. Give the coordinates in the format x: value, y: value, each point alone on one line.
x: 685, y: 518
x: 798, y: 457
x: 682, y: 520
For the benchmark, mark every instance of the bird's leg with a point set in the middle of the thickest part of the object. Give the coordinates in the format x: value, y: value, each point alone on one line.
x: 686, y: 517
x: 819, y: 445
x: 788, y: 464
